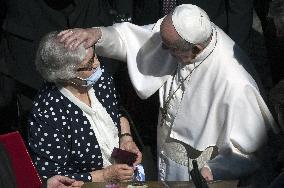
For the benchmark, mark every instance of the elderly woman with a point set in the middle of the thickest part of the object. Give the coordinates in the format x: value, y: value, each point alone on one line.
x: 75, y: 124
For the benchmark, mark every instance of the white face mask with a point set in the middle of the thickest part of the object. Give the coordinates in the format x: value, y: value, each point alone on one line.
x: 91, y: 80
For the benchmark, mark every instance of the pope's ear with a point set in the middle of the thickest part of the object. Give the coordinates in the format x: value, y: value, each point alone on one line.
x: 196, y: 49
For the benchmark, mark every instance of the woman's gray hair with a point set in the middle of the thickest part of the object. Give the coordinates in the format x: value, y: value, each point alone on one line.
x: 55, y: 62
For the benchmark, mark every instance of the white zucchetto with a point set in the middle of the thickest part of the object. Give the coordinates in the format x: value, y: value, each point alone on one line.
x: 192, y: 23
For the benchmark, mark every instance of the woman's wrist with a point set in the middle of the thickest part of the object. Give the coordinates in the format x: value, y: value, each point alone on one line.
x: 98, y: 176
x: 126, y: 134
x: 125, y: 137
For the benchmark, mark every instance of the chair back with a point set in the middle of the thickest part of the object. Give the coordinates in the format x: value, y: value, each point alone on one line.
x: 23, y: 168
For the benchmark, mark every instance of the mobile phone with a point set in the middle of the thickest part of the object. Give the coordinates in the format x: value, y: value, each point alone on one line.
x: 123, y: 157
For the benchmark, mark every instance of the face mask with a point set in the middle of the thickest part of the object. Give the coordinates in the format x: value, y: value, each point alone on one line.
x: 90, y: 81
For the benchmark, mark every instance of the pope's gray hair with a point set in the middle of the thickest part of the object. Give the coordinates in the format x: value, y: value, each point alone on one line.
x: 184, y: 45
x: 54, y: 61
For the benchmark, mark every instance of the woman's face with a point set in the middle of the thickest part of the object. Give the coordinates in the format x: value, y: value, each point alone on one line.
x: 89, y: 63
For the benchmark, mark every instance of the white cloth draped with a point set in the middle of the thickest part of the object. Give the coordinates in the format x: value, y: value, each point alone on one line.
x: 102, y: 124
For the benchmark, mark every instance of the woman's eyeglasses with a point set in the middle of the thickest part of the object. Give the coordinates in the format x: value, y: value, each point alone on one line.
x: 89, y: 65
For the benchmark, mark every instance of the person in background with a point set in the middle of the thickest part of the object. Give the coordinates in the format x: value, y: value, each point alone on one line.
x: 276, y: 12
x: 277, y: 141
x: 271, y: 14
x: 211, y: 109
x: 74, y: 123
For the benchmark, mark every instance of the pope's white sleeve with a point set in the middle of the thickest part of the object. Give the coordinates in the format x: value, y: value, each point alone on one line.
x: 117, y: 40
x: 111, y: 45
x: 231, y: 163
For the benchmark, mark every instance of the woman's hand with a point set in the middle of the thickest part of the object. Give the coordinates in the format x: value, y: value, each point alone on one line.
x: 72, y: 38
x: 113, y: 173
x: 126, y: 143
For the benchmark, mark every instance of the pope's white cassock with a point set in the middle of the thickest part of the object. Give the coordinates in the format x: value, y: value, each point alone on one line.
x: 214, y: 105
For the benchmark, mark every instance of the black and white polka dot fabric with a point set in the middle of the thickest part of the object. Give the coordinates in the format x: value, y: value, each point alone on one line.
x: 61, y: 140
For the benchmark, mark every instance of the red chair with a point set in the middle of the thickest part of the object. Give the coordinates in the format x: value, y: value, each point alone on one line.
x: 24, y: 170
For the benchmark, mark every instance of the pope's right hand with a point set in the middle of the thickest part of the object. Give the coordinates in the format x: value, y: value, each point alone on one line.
x: 206, y: 173
x: 72, y: 38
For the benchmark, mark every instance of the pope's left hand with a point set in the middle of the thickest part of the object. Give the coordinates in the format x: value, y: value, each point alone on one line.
x: 206, y: 173
x: 129, y: 145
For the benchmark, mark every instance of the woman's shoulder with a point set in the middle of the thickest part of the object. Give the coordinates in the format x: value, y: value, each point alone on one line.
x: 50, y: 105
x: 48, y: 95
x: 47, y: 90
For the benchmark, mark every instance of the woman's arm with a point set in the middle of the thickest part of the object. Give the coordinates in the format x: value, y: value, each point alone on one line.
x: 126, y: 140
